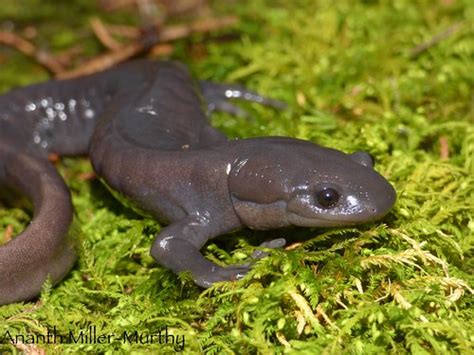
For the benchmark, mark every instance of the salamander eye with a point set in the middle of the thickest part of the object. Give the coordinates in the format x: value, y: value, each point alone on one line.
x: 327, y: 197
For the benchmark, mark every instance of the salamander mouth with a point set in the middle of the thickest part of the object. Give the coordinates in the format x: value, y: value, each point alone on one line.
x: 321, y: 221
x: 335, y: 219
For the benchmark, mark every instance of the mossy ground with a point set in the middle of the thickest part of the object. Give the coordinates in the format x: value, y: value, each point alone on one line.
x: 398, y: 285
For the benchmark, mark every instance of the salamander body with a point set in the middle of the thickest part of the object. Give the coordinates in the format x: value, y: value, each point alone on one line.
x: 145, y: 130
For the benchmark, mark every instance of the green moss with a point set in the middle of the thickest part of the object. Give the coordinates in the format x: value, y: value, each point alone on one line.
x: 402, y: 285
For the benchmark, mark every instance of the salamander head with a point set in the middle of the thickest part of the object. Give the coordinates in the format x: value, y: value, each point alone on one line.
x: 284, y: 181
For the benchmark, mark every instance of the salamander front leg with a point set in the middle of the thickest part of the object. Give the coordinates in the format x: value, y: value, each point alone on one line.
x: 177, y: 248
x: 217, y: 97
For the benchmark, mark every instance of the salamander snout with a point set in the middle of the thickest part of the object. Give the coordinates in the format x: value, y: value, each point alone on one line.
x: 347, y: 191
x: 379, y: 207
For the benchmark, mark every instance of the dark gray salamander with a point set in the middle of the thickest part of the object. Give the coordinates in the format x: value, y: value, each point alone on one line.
x: 148, y: 137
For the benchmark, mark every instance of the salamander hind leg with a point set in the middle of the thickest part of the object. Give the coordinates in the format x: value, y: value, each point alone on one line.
x: 218, y: 96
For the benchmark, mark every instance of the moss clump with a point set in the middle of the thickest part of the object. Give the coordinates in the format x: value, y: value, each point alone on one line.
x: 402, y: 285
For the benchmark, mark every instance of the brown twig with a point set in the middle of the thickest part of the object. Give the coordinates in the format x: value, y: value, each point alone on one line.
x: 86, y: 176
x: 443, y: 148
x: 103, y: 61
x: 27, y: 48
x: 101, y: 32
x: 66, y: 56
x: 8, y: 234
x: 53, y: 158
x: 416, y: 51
x: 293, y: 246
x: 161, y: 50
x: 172, y: 33
x: 123, y: 30
x: 150, y: 37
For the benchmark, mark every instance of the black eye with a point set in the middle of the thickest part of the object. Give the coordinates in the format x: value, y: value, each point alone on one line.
x: 327, y: 197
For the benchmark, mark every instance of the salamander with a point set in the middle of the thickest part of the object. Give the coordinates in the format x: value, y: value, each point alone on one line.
x: 144, y: 126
